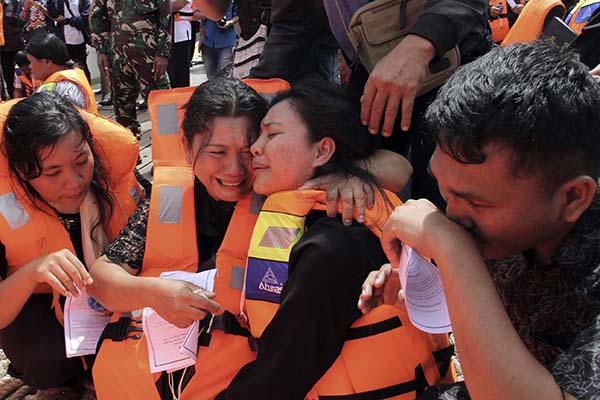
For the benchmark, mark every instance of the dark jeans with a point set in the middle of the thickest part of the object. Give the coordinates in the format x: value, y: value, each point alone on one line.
x: 35, y: 345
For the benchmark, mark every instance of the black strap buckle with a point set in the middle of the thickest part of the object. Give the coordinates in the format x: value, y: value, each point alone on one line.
x: 226, y: 322
x: 120, y: 330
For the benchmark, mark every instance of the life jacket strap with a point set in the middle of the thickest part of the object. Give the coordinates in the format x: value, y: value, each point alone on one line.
x: 120, y: 330
x: 226, y: 322
x: 444, y: 356
x: 417, y: 385
x: 373, y: 329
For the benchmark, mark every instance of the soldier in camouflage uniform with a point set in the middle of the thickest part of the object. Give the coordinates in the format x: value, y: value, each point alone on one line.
x: 132, y: 37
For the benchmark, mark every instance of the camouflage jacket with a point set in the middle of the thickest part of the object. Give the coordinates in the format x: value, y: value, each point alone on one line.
x: 126, y: 28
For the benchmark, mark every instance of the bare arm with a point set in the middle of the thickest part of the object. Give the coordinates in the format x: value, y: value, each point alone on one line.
x: 391, y: 169
x: 117, y: 288
x: 178, y: 302
x: 17, y: 287
x: 61, y: 270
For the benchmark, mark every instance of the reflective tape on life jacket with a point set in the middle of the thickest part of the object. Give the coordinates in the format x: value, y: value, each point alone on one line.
x: 77, y: 76
x: 29, y: 232
x: 499, y: 25
x: 581, y: 13
x: 384, y: 356
x: 530, y: 24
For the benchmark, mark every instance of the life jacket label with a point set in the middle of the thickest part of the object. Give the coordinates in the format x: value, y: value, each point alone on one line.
x: 265, y: 279
x: 585, y: 13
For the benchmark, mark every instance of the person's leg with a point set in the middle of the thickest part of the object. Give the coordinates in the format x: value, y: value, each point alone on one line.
x: 8, y: 70
x: 224, y: 57
x: 209, y: 56
x: 195, y: 30
x: 179, y: 64
x: 35, y: 345
x: 125, y: 92
x: 144, y: 65
x: 78, y: 53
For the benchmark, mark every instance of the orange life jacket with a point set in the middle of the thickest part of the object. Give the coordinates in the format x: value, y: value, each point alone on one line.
x: 403, y: 359
x: 530, y: 24
x: 121, y: 370
x: 172, y: 231
x: 26, y: 83
x: 29, y: 232
x: 581, y: 13
x: 77, y: 76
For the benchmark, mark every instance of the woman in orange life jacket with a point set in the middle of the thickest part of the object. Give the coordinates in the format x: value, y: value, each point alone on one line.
x: 55, y: 215
x: 51, y: 65
x: 312, y: 130
x: 221, y: 120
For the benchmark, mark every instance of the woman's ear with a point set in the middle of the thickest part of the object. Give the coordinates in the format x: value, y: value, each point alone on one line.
x: 325, y: 150
x: 578, y: 194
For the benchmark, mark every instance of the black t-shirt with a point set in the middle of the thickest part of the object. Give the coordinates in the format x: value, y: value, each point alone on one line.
x: 318, y: 306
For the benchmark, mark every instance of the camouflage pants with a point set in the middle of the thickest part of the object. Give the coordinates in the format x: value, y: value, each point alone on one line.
x: 131, y: 74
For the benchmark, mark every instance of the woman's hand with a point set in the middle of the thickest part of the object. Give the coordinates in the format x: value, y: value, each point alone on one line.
x: 381, y: 287
x: 62, y: 270
x: 182, y: 303
x: 356, y: 195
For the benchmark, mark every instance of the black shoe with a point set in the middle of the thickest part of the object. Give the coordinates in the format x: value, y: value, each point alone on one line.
x: 142, y: 105
x: 98, y: 91
x: 106, y: 101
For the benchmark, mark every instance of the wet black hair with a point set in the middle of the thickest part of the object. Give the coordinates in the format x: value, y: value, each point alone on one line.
x: 222, y: 97
x: 38, y: 122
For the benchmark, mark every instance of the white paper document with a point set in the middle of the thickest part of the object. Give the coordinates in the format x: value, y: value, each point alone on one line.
x: 83, y: 326
x: 171, y: 348
x: 423, y: 293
